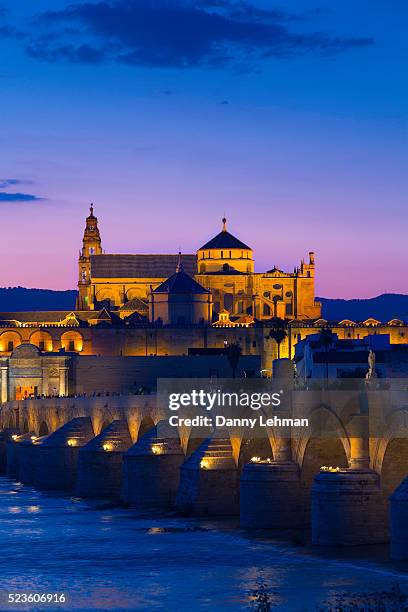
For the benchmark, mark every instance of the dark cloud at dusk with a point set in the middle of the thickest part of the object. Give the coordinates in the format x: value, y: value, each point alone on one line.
x: 19, y: 197
x: 16, y: 197
x: 177, y: 34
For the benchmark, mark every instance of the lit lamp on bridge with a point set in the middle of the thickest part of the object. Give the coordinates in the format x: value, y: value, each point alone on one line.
x: 72, y: 442
x: 329, y: 468
x: 157, y: 449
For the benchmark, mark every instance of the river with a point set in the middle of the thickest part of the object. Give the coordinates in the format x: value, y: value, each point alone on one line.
x: 107, y: 558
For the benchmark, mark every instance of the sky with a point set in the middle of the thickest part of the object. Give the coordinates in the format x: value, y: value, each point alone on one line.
x: 289, y: 117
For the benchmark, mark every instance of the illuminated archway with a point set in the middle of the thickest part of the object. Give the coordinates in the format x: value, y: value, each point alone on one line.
x: 42, y: 340
x: 72, y: 341
x: 9, y: 340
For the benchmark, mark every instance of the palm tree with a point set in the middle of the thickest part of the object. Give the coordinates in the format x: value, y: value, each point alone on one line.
x: 326, y: 339
x: 278, y: 331
x: 233, y: 352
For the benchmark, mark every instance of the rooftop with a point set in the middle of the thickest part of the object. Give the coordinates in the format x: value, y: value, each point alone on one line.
x: 225, y: 240
x: 139, y: 266
x: 180, y: 282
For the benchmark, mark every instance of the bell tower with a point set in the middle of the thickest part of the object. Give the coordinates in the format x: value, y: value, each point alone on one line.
x: 91, y: 245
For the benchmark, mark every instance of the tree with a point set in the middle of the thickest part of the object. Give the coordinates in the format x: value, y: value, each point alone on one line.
x: 233, y: 352
x: 326, y: 339
x: 278, y: 331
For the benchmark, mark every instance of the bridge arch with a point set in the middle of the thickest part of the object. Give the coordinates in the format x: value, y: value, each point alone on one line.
x: 254, y: 446
x: 395, y: 427
x: 394, y: 466
x: 43, y: 429
x: 11, y: 420
x: 105, y: 424
x: 326, y: 424
x: 144, y: 426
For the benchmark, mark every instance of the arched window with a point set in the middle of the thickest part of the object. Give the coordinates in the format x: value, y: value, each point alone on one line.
x: 42, y: 340
x: 9, y: 341
x: 72, y: 341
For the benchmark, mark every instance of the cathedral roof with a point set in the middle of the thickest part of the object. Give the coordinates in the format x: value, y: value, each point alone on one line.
x: 225, y: 240
x: 180, y: 282
x: 139, y: 266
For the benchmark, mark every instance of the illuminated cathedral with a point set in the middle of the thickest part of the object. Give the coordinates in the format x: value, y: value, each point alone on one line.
x: 143, y: 316
x: 219, y: 279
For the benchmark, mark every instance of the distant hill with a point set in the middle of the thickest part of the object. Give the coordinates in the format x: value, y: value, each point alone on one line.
x: 20, y: 299
x: 383, y: 307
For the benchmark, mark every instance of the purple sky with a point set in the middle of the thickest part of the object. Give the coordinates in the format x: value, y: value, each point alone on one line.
x: 292, y: 122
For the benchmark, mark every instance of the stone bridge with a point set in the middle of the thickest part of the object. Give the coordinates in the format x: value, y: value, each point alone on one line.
x: 114, y: 446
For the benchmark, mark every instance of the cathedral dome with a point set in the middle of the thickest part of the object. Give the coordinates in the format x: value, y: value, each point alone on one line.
x: 225, y: 240
x: 225, y: 253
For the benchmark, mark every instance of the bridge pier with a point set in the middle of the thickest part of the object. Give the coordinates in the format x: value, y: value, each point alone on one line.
x: 151, y: 471
x: 5, y: 436
x: 28, y: 455
x: 13, y: 454
x: 270, y: 495
x: 347, y: 508
x: 209, y: 483
x: 399, y: 522
x: 100, y: 462
x: 58, y: 455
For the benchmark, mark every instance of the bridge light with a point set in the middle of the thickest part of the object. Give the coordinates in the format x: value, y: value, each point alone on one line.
x: 33, y: 438
x: 107, y: 447
x: 204, y: 464
x: 72, y: 442
x: 255, y: 459
x: 329, y: 468
x: 157, y: 449
x: 14, y: 437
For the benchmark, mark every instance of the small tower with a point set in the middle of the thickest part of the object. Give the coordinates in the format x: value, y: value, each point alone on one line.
x: 91, y: 245
x: 180, y: 300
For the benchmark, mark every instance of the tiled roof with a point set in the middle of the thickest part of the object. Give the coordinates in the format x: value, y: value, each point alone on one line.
x: 47, y: 316
x: 139, y: 266
x: 224, y: 240
x: 134, y: 304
